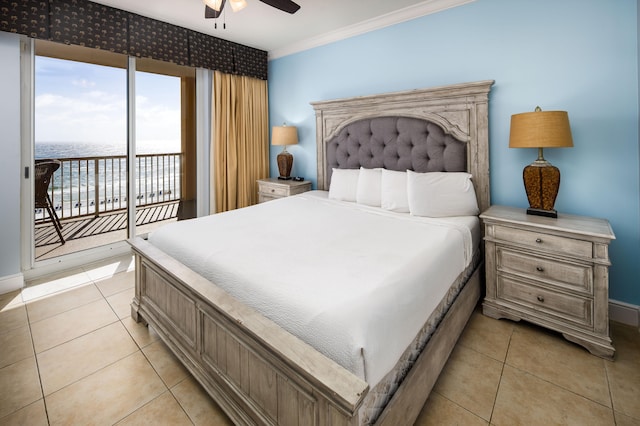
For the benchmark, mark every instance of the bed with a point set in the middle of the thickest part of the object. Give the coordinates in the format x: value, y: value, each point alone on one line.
x: 249, y: 349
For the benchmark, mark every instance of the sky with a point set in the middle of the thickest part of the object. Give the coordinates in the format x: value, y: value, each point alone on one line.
x: 80, y: 102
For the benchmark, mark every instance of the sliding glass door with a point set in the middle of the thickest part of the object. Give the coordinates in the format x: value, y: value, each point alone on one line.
x: 86, y: 153
x: 165, y: 143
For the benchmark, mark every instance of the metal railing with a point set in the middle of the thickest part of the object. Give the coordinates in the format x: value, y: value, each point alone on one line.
x: 85, y: 186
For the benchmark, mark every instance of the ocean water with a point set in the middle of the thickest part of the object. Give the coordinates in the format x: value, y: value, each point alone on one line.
x: 93, y: 177
x: 86, y: 149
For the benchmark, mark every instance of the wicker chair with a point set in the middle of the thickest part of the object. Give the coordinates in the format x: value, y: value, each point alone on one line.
x: 44, y: 170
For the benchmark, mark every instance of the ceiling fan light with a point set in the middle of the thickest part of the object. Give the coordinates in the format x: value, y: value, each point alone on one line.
x: 214, y: 4
x: 238, y: 5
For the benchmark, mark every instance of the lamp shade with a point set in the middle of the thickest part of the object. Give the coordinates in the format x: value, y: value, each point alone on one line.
x: 238, y: 5
x: 540, y: 129
x: 284, y: 135
x: 213, y: 4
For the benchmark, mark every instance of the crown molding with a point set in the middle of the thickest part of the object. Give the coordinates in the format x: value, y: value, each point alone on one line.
x: 408, y: 13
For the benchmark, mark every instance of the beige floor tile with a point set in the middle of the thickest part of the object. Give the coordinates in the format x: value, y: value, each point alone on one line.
x: 624, y: 381
x: 170, y: 370
x: 71, y: 324
x: 31, y: 415
x: 15, y: 345
x: 19, y: 385
x: 549, y: 356
x: 201, y: 409
x: 10, y: 299
x: 164, y: 410
x: 121, y: 302
x: 13, y: 317
x: 63, y: 301
x: 109, y: 267
x: 626, y: 340
x: 524, y: 399
x: 439, y: 411
x: 116, y: 283
x: 487, y: 335
x: 624, y: 371
x: 623, y: 420
x: 108, y: 395
x: 71, y: 361
x: 470, y: 379
x: 54, y: 283
x: 142, y: 334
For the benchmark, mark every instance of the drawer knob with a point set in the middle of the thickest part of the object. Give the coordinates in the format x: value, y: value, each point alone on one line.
x: 540, y: 299
x: 539, y: 240
x: 273, y: 190
x: 539, y: 269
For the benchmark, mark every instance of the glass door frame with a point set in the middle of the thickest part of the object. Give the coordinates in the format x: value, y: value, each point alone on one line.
x: 33, y: 268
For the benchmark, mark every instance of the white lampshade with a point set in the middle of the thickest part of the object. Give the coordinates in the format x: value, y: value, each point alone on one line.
x: 213, y: 4
x: 238, y: 5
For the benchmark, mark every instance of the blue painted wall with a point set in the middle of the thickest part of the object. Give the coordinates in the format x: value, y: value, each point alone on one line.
x: 575, y: 55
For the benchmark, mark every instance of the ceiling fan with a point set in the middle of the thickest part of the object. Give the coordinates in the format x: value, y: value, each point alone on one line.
x: 213, y: 8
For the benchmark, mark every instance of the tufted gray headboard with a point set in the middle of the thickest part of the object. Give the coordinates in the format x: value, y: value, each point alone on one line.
x: 437, y: 129
x: 395, y: 143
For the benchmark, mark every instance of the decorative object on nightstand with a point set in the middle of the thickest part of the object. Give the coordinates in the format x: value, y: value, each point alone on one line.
x: 284, y: 135
x: 551, y: 272
x: 541, y: 129
x: 270, y: 189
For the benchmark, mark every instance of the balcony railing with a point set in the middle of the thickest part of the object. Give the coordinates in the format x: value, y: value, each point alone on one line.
x: 85, y: 186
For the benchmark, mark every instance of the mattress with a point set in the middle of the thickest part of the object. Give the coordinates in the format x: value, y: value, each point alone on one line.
x: 355, y: 282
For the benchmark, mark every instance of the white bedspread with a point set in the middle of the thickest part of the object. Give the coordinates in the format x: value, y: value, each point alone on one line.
x: 355, y: 282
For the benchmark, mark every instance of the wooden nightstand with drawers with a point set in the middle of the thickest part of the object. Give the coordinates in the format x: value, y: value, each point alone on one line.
x: 272, y: 188
x: 551, y: 272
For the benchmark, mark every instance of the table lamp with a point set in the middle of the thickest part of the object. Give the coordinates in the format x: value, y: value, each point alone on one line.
x: 541, y: 129
x: 284, y: 135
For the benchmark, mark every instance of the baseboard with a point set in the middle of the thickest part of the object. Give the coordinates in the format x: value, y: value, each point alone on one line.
x: 11, y: 283
x: 624, y: 313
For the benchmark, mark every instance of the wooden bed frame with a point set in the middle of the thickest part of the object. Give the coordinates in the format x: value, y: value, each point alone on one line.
x: 257, y: 372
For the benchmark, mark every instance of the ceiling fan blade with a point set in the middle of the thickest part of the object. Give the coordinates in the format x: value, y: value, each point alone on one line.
x: 212, y: 13
x: 284, y: 5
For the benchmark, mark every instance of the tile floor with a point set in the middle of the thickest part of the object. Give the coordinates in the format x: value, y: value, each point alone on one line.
x: 71, y: 355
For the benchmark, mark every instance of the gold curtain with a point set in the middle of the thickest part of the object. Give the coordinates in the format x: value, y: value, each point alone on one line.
x: 240, y: 139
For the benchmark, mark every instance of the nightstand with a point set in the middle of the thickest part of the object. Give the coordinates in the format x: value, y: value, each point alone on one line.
x: 551, y: 272
x: 272, y: 188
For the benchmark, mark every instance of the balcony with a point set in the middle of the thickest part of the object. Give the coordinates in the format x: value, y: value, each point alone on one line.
x: 89, y: 195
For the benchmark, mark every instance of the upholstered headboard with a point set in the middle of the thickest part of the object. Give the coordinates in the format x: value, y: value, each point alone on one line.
x: 437, y: 129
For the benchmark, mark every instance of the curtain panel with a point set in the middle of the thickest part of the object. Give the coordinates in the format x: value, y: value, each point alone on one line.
x: 89, y: 24
x: 240, y: 139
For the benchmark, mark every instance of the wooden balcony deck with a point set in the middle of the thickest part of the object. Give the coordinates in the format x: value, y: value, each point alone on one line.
x: 81, y: 233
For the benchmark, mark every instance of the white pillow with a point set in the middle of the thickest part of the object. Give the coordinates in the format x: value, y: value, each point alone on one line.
x: 368, y: 191
x: 344, y: 184
x: 393, y: 191
x: 441, y: 194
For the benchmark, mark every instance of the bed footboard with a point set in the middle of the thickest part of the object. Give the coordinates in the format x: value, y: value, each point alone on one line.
x: 257, y: 372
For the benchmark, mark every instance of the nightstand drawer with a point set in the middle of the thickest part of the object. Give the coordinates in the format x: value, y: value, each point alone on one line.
x: 546, y: 242
x: 567, y: 275
x: 273, y: 190
x: 537, y: 300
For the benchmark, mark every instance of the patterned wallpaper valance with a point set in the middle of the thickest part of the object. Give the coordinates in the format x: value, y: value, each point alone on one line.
x: 89, y: 24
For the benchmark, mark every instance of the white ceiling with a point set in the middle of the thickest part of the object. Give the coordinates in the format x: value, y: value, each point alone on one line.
x: 264, y: 27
